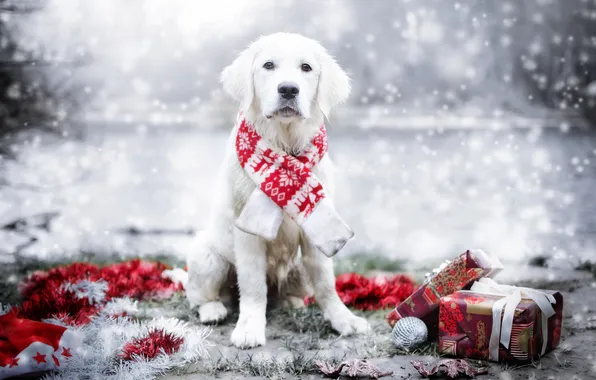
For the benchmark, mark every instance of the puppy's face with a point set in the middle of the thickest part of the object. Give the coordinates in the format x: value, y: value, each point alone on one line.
x: 285, y: 81
x: 286, y: 77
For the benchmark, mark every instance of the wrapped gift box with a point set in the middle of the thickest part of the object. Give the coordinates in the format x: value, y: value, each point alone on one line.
x: 456, y: 275
x: 504, y: 328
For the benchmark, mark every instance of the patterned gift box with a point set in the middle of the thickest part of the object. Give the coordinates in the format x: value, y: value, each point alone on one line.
x: 466, y: 327
x: 456, y: 275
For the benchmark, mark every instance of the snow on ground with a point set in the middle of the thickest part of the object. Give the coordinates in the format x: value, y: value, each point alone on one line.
x: 417, y: 195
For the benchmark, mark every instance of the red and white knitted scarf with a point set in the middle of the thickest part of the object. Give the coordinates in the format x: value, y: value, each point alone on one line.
x: 288, y: 181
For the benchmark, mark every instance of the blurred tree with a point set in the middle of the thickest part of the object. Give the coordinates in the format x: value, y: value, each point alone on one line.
x: 29, y: 98
x: 557, y: 57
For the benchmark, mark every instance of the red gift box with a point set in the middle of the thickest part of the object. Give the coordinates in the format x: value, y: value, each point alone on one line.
x: 458, y: 274
x: 518, y: 325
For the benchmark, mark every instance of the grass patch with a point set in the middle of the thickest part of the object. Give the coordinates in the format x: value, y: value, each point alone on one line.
x: 308, y: 320
x: 176, y: 306
x: 305, y: 342
x: 297, y: 364
x: 9, y: 292
x: 374, y: 315
x: 366, y: 262
x: 427, y: 349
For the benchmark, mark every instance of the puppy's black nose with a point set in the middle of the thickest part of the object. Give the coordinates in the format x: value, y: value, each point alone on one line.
x: 288, y: 90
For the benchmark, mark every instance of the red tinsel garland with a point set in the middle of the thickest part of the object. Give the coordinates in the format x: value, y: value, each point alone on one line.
x: 149, y: 346
x: 56, y: 302
x: 137, y: 279
x: 45, y: 295
x: 75, y: 293
x: 375, y: 293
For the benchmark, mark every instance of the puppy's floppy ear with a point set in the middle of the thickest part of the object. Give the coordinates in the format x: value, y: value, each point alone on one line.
x: 334, y: 83
x: 237, y: 78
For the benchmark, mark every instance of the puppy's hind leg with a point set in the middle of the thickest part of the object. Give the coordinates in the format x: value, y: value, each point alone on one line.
x: 207, y: 273
x: 295, y: 289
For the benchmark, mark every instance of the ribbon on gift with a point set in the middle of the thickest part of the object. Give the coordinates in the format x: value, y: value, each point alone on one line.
x: 501, y: 329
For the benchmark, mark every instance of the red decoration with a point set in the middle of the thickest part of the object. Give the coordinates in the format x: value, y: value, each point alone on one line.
x: 55, y: 301
x: 556, y: 336
x: 137, y: 279
x: 465, y: 327
x: 75, y: 293
x: 66, y: 352
x: 375, y: 293
x: 451, y: 315
x: 50, y: 294
x: 18, y: 334
x: 287, y: 175
x: 39, y: 358
x: 474, y: 300
x: 458, y: 274
x: 45, y: 295
x: 151, y: 345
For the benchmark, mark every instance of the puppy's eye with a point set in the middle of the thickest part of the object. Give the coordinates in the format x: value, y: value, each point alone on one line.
x: 306, y: 67
x: 269, y: 65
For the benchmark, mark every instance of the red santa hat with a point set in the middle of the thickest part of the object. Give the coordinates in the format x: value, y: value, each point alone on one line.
x: 28, y: 347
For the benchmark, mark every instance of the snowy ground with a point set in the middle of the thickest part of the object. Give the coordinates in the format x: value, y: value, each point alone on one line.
x: 416, y: 195
x: 297, y: 338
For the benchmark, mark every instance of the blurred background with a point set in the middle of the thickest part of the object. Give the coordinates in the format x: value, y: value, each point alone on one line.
x: 470, y: 125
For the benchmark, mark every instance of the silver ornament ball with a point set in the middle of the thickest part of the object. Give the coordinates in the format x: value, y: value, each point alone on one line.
x: 409, y: 333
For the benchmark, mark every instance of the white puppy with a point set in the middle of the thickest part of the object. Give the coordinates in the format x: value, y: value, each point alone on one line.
x: 286, y: 84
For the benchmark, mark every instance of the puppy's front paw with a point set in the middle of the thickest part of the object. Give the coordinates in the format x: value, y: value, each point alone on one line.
x: 249, y: 332
x: 212, y: 312
x: 349, y: 324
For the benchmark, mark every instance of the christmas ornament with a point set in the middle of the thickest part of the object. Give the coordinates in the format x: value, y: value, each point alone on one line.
x: 448, y: 278
x: 409, y: 333
x: 286, y: 182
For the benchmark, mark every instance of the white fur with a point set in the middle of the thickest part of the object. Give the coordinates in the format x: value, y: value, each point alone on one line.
x: 260, y: 265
